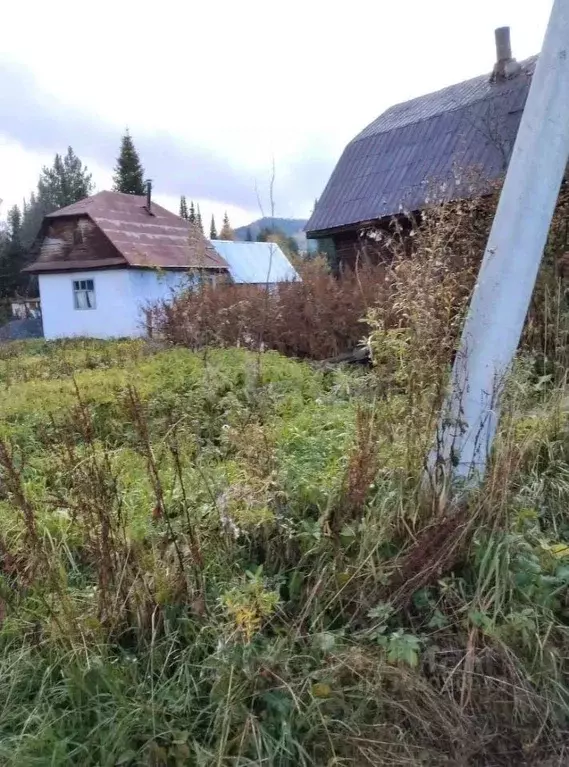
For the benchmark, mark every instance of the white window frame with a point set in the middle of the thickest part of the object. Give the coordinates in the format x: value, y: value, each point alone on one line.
x: 84, y: 295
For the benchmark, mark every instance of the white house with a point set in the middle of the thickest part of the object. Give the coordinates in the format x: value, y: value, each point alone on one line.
x: 103, y: 260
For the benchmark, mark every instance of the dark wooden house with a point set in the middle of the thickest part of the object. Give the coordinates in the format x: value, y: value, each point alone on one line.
x: 419, y: 151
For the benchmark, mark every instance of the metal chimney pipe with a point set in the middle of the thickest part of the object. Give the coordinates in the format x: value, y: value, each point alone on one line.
x: 503, y: 44
x: 506, y: 66
x: 149, y: 195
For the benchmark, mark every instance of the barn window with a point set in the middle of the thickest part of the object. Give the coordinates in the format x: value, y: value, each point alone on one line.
x: 83, y: 294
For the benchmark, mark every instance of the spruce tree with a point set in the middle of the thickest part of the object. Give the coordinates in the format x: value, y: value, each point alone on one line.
x: 227, y: 232
x: 192, y: 216
x: 59, y: 185
x: 31, y: 219
x: 66, y: 182
x: 14, y: 223
x: 183, y: 208
x: 13, y: 257
x: 129, y: 173
x: 199, y: 221
x: 212, y: 229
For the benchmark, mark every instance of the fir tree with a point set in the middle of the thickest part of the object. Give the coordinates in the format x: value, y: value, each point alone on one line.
x: 14, y: 224
x: 33, y: 213
x: 66, y: 182
x: 227, y: 232
x: 183, y: 208
x: 61, y: 184
x: 192, y: 216
x: 13, y: 257
x: 212, y: 229
x: 199, y: 221
x: 129, y: 173
x: 248, y: 235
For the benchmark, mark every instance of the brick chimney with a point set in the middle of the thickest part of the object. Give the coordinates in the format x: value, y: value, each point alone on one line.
x: 506, y: 66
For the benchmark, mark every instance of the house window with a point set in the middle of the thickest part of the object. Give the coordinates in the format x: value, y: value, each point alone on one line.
x: 83, y: 294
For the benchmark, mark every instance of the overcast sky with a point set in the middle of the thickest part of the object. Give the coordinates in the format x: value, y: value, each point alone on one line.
x: 213, y: 91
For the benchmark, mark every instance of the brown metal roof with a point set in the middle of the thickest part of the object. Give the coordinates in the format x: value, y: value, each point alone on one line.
x: 157, y: 239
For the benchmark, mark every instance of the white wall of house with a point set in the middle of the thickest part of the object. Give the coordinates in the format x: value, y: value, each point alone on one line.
x: 120, y: 296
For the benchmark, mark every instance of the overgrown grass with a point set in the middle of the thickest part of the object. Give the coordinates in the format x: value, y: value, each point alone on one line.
x: 225, y: 559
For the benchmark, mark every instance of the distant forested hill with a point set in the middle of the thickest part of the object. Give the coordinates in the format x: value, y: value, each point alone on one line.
x: 292, y: 227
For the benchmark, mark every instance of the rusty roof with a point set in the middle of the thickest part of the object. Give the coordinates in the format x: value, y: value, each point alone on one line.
x: 157, y: 239
x: 394, y: 163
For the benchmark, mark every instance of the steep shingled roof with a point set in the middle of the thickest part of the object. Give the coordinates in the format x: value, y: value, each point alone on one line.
x: 158, y: 239
x: 394, y: 163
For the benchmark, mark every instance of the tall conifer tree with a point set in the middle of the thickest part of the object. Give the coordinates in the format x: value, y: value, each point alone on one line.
x: 129, y: 173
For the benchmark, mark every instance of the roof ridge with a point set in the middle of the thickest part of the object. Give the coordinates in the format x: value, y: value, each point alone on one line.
x: 418, y: 121
x: 426, y: 97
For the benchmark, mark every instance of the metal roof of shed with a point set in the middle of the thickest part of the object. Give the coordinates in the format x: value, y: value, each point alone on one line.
x: 394, y: 163
x: 255, y: 262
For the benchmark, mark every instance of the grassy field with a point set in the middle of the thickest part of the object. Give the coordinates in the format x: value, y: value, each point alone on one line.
x: 224, y: 559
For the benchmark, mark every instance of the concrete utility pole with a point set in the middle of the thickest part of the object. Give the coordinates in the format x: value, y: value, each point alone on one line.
x: 509, y: 269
